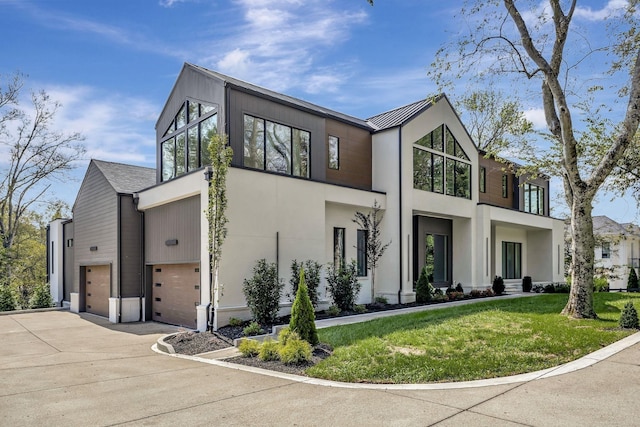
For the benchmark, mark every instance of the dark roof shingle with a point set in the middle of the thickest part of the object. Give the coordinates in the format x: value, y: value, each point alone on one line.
x: 126, y: 179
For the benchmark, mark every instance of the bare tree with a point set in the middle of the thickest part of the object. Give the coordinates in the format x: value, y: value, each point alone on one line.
x: 535, y: 41
x: 33, y: 156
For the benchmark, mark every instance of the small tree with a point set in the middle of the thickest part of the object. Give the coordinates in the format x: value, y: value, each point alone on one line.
x: 7, y: 299
x: 424, y: 290
x: 220, y: 155
x: 262, y: 292
x: 312, y: 278
x: 41, y: 297
x: 302, y: 315
x: 343, y: 285
x: 632, y: 281
x: 629, y: 317
x: 374, y: 250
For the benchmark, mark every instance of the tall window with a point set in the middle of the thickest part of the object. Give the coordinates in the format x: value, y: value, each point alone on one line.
x: 505, y: 185
x: 436, y: 256
x: 440, y: 165
x: 606, y: 250
x: 338, y: 247
x: 275, y: 147
x: 533, y: 199
x: 511, y: 260
x: 362, y: 253
x: 334, y: 152
x: 185, y: 143
x: 483, y: 179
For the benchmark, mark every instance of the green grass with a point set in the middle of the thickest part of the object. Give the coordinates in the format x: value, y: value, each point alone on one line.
x: 484, y: 340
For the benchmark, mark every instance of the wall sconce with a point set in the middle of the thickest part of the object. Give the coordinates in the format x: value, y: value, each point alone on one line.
x: 136, y: 198
x: 208, y: 173
x: 171, y: 242
x: 93, y: 248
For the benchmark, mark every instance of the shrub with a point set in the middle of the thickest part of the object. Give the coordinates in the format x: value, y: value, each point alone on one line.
x: 234, y: 321
x: 454, y: 296
x: 600, y: 284
x: 359, y: 308
x: 249, y: 348
x: 629, y: 317
x: 262, y: 292
x: 424, y: 290
x: 252, y: 329
x: 549, y: 289
x: 269, y: 350
x: 632, y: 281
x: 459, y: 288
x: 295, y: 351
x: 302, y: 315
x: 475, y: 293
x: 312, y: 272
x: 538, y: 288
x: 562, y: 288
x: 440, y: 297
x: 7, y: 299
x: 343, y: 285
x: 527, y: 284
x: 488, y: 292
x: 286, y: 334
x: 41, y: 297
x: 498, y: 285
x: 381, y: 300
x: 333, y: 310
x: 450, y: 289
x: 437, y: 291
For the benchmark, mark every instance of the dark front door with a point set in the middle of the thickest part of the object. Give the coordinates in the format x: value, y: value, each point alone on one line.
x: 432, y: 249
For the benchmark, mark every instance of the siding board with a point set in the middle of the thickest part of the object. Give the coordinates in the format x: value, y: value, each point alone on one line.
x: 131, y: 260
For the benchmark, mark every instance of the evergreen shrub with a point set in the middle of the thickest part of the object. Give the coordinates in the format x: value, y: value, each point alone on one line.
x: 629, y: 317
x: 302, y: 315
x: 343, y: 285
x: 424, y: 290
x: 262, y: 292
x: 295, y: 352
x: 498, y: 285
x: 632, y: 281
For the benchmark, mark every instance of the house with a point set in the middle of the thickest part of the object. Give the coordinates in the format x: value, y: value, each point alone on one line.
x: 298, y: 175
x: 617, y: 250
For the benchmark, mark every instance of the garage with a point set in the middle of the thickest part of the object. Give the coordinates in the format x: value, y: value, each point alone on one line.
x: 98, y: 284
x: 175, y: 294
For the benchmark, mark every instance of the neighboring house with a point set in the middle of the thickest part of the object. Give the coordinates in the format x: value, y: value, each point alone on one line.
x: 298, y: 175
x: 617, y: 249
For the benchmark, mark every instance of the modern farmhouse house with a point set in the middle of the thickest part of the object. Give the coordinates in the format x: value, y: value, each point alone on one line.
x: 137, y: 246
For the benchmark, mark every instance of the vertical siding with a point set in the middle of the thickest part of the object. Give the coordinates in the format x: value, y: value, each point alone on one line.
x: 355, y: 155
x: 241, y: 103
x: 178, y: 220
x: 69, y: 258
x: 95, y: 216
x: 131, y: 260
x: 493, y: 194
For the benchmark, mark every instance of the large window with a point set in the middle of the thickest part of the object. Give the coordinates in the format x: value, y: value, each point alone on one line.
x: 511, y: 260
x: 440, y: 165
x: 338, y: 247
x: 533, y: 199
x: 483, y: 179
x: 276, y: 147
x: 334, y: 152
x: 505, y: 185
x: 436, y: 256
x: 362, y: 253
x: 185, y: 144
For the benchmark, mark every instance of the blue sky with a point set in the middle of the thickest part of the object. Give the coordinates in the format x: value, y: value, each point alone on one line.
x: 113, y: 63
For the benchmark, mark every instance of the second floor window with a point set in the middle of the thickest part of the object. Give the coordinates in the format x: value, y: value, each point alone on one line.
x: 276, y: 147
x: 505, y: 186
x: 483, y: 179
x: 606, y: 250
x: 533, y: 199
x: 334, y: 152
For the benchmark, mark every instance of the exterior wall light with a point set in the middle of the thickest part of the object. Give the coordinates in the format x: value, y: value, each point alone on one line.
x: 208, y: 173
x: 93, y: 248
x: 171, y: 242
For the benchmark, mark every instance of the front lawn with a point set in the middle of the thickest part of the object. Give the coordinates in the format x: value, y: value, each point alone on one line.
x: 484, y: 340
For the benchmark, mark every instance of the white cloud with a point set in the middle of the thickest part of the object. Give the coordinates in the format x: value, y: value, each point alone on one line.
x: 612, y: 8
x: 536, y: 116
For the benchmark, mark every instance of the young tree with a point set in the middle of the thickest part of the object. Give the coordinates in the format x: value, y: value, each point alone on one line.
x: 495, y: 123
x: 370, y: 222
x: 303, y: 316
x: 632, y: 280
x: 33, y: 156
x: 220, y: 154
x: 534, y: 41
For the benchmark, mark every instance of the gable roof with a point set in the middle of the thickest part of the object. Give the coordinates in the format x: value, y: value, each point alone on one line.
x: 281, y: 98
x: 605, y: 225
x: 398, y: 116
x: 126, y: 179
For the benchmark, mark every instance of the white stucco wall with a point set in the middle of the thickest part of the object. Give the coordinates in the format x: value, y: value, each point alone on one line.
x: 56, y: 260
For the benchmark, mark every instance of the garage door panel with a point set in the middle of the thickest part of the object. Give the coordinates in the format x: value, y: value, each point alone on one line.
x: 175, y: 294
x: 97, y: 289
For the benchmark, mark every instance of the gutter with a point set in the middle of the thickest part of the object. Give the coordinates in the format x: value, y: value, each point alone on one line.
x: 400, y: 211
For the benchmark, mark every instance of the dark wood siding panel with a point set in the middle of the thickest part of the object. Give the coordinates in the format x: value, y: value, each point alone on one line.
x: 493, y: 196
x: 95, y: 217
x: 243, y: 103
x: 178, y: 220
x: 69, y: 271
x: 131, y: 261
x: 191, y: 84
x: 354, y: 155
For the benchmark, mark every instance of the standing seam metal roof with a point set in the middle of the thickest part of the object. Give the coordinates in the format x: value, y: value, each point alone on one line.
x: 398, y: 116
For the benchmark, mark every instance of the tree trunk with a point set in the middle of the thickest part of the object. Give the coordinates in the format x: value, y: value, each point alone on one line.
x: 580, y: 304
x: 373, y: 284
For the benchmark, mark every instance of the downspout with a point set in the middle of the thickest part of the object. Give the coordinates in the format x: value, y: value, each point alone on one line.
x: 143, y: 268
x: 119, y: 257
x: 212, y: 296
x: 400, y: 236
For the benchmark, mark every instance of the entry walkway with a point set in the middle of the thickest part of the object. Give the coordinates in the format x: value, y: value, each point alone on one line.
x: 60, y: 368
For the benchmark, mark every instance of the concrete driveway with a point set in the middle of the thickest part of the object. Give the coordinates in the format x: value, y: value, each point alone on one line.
x: 59, y: 368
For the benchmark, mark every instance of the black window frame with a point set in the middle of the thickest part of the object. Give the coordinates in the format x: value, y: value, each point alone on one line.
x: 361, y: 258
x: 516, y: 271
x: 339, y: 241
x: 606, y: 253
x: 483, y: 179
x: 505, y: 185
x: 337, y: 143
